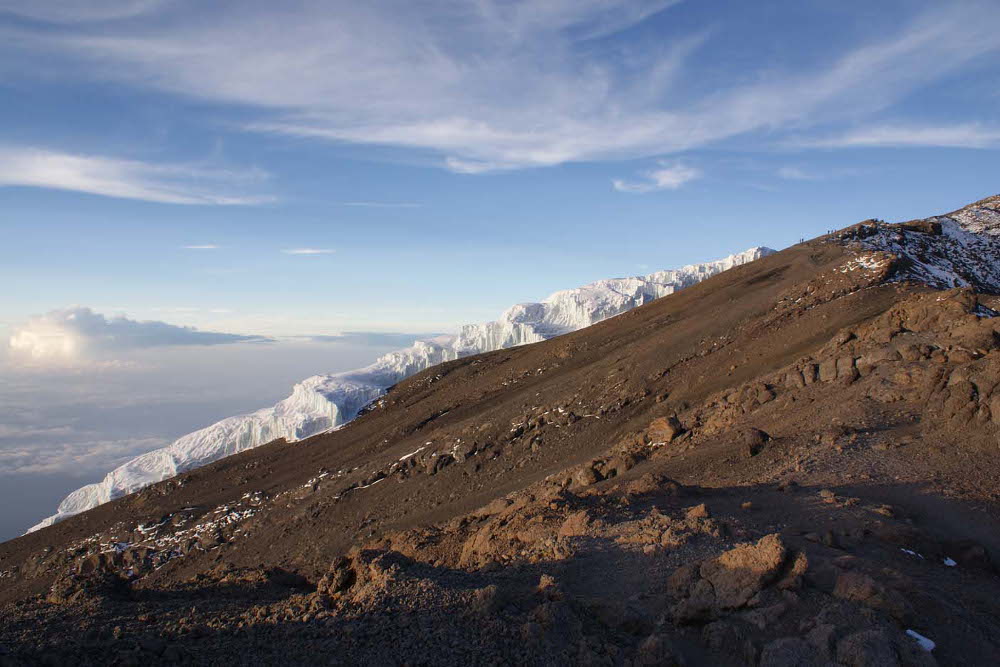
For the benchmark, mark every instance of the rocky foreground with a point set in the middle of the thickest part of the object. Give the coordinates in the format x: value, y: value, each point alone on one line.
x: 792, y: 463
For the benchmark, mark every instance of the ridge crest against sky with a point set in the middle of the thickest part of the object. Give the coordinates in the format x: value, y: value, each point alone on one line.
x: 274, y: 137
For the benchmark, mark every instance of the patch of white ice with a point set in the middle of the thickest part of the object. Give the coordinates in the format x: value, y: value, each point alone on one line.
x: 925, y: 643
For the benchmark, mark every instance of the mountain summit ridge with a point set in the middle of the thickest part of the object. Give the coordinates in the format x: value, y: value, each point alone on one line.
x: 959, y: 249
x: 981, y: 217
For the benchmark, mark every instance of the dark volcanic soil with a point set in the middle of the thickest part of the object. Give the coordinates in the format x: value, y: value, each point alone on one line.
x: 792, y: 463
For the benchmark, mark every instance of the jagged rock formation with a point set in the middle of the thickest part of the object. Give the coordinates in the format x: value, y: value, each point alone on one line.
x: 790, y: 463
x: 323, y: 402
x: 956, y: 250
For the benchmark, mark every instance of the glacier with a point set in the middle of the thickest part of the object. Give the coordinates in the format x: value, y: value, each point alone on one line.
x: 324, y: 402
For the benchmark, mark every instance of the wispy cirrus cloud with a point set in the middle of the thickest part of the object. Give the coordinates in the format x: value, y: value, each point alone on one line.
x: 496, y: 85
x: 667, y: 177
x: 128, y: 179
x: 72, y: 11
x: 800, y: 173
x: 204, y: 246
x: 971, y: 135
x: 381, y: 204
x: 309, y: 251
x: 791, y: 173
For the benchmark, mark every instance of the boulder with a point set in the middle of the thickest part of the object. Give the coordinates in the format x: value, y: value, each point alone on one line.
x: 653, y: 482
x: 860, y: 587
x: 679, y: 583
x: 730, y: 639
x: 751, y: 441
x: 665, y: 429
x: 828, y: 370
x: 847, y: 372
x: 789, y: 652
x: 657, y: 649
x: 697, y: 512
x: 739, y: 574
x: 619, y: 464
x: 72, y: 588
x: 339, y: 578
x: 586, y: 476
x: 867, y: 648
x: 575, y: 524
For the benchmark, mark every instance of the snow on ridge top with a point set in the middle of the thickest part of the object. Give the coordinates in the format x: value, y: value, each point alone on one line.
x: 960, y: 249
x: 982, y: 217
x: 324, y: 402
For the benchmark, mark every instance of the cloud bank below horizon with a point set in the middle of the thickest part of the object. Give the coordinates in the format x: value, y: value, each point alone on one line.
x: 78, y: 334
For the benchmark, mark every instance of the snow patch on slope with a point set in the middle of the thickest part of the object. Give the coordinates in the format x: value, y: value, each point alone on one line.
x: 324, y: 402
x: 961, y: 249
x: 983, y: 217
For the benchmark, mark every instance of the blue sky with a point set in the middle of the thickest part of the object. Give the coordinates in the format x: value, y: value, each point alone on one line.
x: 410, y: 166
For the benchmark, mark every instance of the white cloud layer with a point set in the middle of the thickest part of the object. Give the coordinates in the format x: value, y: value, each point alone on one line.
x: 901, y: 136
x: 79, y: 334
x: 667, y: 177
x: 499, y: 84
x: 127, y: 179
x: 308, y: 251
x: 71, y: 453
x: 380, y: 204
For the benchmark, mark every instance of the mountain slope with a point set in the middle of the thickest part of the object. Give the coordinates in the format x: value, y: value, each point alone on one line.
x: 322, y: 402
x: 791, y: 462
